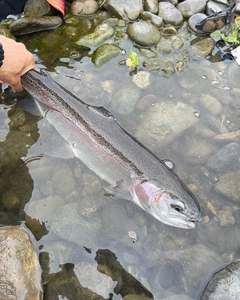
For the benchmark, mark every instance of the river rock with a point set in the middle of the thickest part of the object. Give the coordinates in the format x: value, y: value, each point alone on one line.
x: 191, y: 7
x: 125, y: 99
x: 227, y: 158
x: 196, y: 257
x: 124, y: 9
x: 194, y: 20
x: 163, y: 65
x: 10, y: 200
x: 63, y: 181
x: 28, y: 25
x: 170, y: 14
x: 98, y: 36
x: 203, y: 47
x: 43, y: 209
x: 77, y: 227
x: 20, y: 272
x: 225, y: 284
x: 228, y: 185
x: 211, y: 104
x: 89, y: 277
x: 143, y: 33
x: 151, y: 18
x: 37, y: 8
x: 84, y: 7
x: 142, y: 79
x: 151, y: 6
x: 105, y: 53
x: 163, y: 122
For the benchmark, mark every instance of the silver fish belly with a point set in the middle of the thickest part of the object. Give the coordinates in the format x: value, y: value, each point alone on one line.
x: 132, y: 171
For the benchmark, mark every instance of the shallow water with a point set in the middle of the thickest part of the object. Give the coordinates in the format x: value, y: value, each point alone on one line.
x: 81, y: 233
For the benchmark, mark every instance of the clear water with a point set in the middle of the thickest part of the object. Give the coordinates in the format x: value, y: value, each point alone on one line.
x: 81, y: 233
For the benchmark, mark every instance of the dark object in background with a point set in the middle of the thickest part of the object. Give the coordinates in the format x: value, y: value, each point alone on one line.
x: 11, y: 7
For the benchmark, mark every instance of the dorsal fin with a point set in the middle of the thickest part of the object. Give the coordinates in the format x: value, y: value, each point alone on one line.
x: 102, y: 111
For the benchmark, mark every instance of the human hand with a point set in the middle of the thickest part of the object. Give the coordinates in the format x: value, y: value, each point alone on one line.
x: 17, y: 61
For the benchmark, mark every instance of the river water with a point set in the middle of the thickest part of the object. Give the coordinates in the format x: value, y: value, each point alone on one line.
x: 94, y: 246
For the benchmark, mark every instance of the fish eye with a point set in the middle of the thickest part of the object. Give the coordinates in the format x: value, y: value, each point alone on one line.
x: 178, y: 206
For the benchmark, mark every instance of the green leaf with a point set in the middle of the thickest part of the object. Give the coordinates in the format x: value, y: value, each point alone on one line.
x: 134, y: 58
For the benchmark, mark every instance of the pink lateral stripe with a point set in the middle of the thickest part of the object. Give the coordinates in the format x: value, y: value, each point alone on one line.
x: 58, y: 4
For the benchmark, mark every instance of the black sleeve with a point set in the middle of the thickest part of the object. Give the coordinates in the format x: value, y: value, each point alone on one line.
x: 1, y: 55
x: 8, y: 7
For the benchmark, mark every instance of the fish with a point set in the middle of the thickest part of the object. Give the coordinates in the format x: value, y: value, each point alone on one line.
x: 130, y: 170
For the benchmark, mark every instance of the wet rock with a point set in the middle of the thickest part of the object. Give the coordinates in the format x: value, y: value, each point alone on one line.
x: 20, y: 273
x: 34, y: 24
x: 227, y: 158
x: 163, y: 122
x: 98, y: 36
x: 79, y: 227
x: 105, y: 53
x: 211, y: 104
x: 163, y: 65
x: 191, y: 7
x: 196, y: 257
x: 17, y: 118
x: 155, y: 20
x: 163, y: 49
x: 225, y: 218
x: 84, y: 7
x: 63, y: 181
x: 148, y: 52
x: 125, y: 99
x: 225, y: 284
x: 37, y: 8
x: 124, y: 9
x: 92, y: 185
x: 177, y: 42
x: 89, y: 277
x: 233, y: 136
x: 43, y: 209
x: 142, y: 79
x: 177, y: 297
x: 4, y: 159
x: 143, y: 33
x: 151, y: 6
x: 194, y: 20
x: 67, y: 283
x: 170, y: 14
x: 201, y: 81
x: 10, y: 200
x: 228, y: 185
x: 203, y: 47
x: 196, y: 149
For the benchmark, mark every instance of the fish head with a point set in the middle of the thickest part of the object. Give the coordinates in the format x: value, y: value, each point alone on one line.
x: 178, y: 207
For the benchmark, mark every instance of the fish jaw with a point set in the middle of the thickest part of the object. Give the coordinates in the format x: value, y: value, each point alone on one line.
x: 163, y: 206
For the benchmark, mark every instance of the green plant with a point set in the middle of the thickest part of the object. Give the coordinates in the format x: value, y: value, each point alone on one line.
x: 132, y: 61
x: 233, y: 37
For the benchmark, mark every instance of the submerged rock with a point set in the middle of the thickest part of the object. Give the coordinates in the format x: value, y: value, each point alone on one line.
x: 125, y: 9
x: 225, y: 284
x: 163, y: 122
x: 20, y: 272
x: 170, y: 14
x: 37, y: 8
x: 105, y: 53
x: 125, y: 99
x: 144, y: 33
x: 84, y: 7
x: 34, y: 24
x: 98, y: 36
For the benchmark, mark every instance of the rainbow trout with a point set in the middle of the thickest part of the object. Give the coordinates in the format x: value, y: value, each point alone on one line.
x: 131, y: 171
